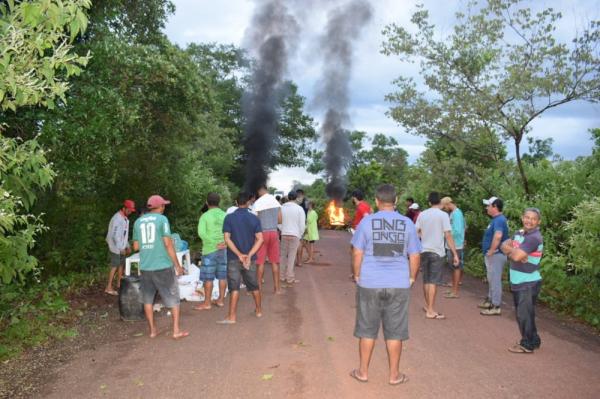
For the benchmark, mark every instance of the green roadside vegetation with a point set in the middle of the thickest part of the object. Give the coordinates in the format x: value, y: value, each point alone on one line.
x: 112, y: 110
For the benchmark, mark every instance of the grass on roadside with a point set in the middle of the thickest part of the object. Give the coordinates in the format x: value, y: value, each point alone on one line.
x: 34, y: 313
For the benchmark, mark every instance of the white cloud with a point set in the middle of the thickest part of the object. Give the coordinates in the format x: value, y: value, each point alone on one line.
x: 209, y: 21
x: 284, y: 178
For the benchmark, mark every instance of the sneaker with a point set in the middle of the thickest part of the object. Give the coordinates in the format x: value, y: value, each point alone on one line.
x: 519, y: 349
x: 492, y: 311
x: 486, y: 304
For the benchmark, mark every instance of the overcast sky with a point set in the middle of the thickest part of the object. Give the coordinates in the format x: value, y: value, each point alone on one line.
x: 373, y: 73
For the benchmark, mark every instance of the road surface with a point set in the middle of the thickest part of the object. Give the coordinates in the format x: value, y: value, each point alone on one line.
x: 303, y: 348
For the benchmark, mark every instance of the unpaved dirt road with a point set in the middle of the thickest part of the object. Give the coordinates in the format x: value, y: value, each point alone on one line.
x: 303, y: 348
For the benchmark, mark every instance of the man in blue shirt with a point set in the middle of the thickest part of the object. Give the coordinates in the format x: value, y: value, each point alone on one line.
x: 495, y: 234
x: 382, y: 246
x: 243, y: 236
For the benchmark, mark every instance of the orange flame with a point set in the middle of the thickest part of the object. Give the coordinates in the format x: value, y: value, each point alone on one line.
x: 336, y: 214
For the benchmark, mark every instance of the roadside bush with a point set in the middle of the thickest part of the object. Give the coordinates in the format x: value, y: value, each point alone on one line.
x: 33, y: 313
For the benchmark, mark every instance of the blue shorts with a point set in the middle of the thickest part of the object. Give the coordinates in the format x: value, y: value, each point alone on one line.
x: 214, y: 265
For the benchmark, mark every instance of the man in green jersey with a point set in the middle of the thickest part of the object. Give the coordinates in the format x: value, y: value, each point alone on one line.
x: 214, y: 255
x: 158, y: 263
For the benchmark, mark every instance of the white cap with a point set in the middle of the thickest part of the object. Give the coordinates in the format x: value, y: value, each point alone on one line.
x: 414, y: 206
x: 489, y: 201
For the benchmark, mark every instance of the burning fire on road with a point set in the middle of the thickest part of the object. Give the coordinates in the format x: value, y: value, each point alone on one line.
x: 337, y: 215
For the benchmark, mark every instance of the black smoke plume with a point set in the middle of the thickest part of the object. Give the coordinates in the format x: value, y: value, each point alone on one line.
x: 343, y: 29
x: 270, y: 39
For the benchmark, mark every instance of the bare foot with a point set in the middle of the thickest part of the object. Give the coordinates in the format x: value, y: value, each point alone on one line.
x: 111, y: 292
x: 258, y: 313
x: 181, y: 334
x: 154, y: 334
x: 279, y: 292
x: 202, y: 307
x: 219, y: 304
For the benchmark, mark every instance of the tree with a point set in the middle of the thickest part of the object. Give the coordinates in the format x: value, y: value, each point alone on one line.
x: 36, y: 51
x: 499, y: 69
x: 138, y: 22
x: 140, y: 120
x: 229, y: 68
x: 538, y: 149
x: 36, y: 60
x: 297, y: 133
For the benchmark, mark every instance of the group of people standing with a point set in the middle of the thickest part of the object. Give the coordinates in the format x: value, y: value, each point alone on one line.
x: 235, y: 248
x: 389, y: 250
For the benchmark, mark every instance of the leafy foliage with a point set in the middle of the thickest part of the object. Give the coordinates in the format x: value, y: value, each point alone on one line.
x: 31, y: 315
x: 36, y: 58
x: 499, y: 69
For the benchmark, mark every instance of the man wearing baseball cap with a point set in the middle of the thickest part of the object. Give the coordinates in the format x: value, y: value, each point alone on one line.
x: 158, y: 263
x: 495, y: 234
x: 117, y: 239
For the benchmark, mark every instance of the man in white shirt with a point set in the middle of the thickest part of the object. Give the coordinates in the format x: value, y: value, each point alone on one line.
x: 117, y: 239
x: 293, y: 224
x: 433, y: 225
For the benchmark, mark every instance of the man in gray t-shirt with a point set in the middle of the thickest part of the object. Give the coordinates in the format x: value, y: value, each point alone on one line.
x: 433, y: 226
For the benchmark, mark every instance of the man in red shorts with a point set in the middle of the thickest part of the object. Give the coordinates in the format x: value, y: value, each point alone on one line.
x: 268, y: 210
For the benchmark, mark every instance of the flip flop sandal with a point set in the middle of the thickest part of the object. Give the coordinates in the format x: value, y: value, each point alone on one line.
x: 219, y: 305
x: 181, y: 335
x: 403, y: 378
x: 113, y: 292
x: 451, y: 295
x: 519, y: 349
x: 438, y: 316
x: 225, y: 321
x: 354, y: 374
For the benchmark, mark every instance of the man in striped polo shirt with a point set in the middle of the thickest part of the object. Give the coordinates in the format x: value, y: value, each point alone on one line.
x: 525, y: 252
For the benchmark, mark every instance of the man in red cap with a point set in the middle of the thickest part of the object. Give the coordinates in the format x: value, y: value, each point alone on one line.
x: 158, y: 263
x: 118, y: 243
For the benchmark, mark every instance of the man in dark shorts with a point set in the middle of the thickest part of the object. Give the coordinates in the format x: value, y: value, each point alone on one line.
x: 433, y: 226
x: 457, y: 221
x: 385, y: 262
x: 525, y: 253
x: 117, y: 239
x: 158, y: 263
x: 243, y: 236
